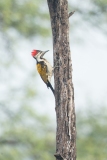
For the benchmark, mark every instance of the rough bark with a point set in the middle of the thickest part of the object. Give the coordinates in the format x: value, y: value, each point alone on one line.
x: 64, y: 92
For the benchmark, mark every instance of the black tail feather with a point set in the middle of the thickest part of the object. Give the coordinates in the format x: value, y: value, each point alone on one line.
x: 49, y: 85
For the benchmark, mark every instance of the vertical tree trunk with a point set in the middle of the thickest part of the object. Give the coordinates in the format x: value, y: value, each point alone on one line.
x: 64, y: 92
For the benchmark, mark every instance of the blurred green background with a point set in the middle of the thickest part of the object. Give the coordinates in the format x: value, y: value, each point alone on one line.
x: 27, y: 114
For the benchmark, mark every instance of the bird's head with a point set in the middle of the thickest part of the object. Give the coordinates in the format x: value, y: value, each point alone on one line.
x: 38, y: 55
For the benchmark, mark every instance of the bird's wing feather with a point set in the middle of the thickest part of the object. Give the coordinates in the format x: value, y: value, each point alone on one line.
x: 42, y: 69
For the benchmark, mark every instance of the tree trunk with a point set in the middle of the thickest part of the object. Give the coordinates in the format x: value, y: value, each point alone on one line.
x: 64, y: 92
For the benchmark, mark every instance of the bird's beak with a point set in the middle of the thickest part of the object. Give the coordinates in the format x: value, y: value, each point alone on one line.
x: 42, y: 54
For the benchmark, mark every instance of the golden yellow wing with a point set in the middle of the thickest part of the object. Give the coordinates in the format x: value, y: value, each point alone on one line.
x: 42, y: 70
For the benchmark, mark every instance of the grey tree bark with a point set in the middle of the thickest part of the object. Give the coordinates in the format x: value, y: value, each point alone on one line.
x: 64, y: 91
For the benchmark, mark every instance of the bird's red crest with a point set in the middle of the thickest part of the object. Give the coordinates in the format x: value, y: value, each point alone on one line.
x: 34, y: 53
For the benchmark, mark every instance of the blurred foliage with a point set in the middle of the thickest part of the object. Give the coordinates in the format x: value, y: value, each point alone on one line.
x: 102, y: 4
x: 29, y: 18
x: 27, y: 135
x: 92, y: 12
x: 24, y: 17
x: 26, y: 138
x: 92, y: 134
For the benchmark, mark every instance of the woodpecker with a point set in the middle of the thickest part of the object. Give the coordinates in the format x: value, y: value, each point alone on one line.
x: 43, y: 67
